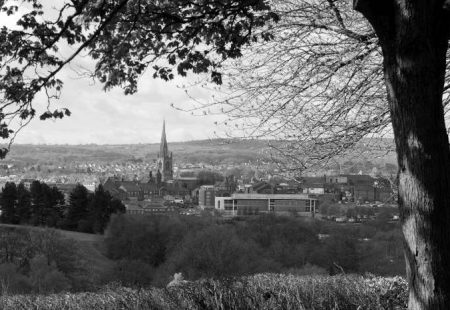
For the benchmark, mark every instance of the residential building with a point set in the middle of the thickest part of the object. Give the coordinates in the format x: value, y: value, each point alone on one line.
x: 313, y: 185
x: 130, y: 190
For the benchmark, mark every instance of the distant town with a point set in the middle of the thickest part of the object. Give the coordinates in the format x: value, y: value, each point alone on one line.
x: 163, y: 186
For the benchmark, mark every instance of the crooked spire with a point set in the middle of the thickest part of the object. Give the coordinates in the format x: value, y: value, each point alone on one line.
x: 164, y: 150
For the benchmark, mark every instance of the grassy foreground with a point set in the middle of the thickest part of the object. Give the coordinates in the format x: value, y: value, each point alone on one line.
x: 263, y: 291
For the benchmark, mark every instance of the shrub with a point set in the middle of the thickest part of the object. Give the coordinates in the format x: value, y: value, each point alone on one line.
x: 45, y: 277
x: 262, y: 291
x: 12, y: 281
x: 133, y: 273
x: 307, y: 270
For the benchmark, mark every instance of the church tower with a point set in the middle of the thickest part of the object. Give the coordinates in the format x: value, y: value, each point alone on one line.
x: 164, y: 158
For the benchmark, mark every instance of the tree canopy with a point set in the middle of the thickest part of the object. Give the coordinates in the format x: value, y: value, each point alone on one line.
x: 123, y: 37
x: 317, y: 85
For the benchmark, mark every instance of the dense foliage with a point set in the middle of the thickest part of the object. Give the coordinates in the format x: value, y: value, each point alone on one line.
x: 148, y: 251
x: 263, y: 291
x: 205, y: 247
x: 39, y: 261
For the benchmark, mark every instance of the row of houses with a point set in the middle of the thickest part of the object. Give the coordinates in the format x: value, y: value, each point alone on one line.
x: 354, y: 188
x: 350, y: 187
x: 301, y: 196
x: 139, y: 191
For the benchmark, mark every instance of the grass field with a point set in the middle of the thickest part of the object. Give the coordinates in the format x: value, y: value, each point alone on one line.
x: 77, y: 236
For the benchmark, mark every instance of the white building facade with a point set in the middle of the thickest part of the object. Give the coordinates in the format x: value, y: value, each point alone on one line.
x: 253, y: 204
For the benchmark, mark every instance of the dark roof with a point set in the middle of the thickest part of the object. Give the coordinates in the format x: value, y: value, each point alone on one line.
x: 261, y: 185
x: 187, y: 179
x: 312, y: 181
x: 147, y: 186
x: 130, y: 186
x: 359, y: 178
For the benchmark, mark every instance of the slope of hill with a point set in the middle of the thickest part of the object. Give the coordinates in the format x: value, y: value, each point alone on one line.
x: 212, y: 151
x: 215, y: 152
x: 90, y: 247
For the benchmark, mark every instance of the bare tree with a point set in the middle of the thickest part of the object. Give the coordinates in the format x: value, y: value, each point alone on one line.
x: 317, y: 86
x: 332, y: 78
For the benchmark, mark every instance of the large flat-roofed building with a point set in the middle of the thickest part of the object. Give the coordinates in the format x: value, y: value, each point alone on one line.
x: 252, y: 204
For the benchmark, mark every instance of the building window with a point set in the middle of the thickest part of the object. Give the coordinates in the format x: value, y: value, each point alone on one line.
x: 218, y: 204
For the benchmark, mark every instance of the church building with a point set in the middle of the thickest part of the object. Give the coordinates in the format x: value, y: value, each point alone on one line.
x: 164, y: 158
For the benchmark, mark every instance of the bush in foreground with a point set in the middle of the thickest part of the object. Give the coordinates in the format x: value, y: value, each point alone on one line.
x: 263, y: 291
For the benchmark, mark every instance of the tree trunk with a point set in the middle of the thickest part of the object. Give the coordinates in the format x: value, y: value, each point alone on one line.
x: 414, y: 45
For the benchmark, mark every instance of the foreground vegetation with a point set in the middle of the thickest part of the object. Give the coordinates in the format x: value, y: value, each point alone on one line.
x: 141, y: 252
x: 149, y: 250
x: 262, y: 291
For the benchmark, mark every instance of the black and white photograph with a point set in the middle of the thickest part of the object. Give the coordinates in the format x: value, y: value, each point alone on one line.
x: 224, y: 154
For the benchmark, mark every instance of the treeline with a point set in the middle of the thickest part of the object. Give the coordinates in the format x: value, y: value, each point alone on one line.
x: 149, y: 250
x: 43, y: 205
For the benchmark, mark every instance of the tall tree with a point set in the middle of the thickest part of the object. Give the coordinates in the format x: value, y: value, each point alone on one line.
x: 99, y: 209
x: 414, y: 39
x: 46, y: 204
x: 116, y: 206
x: 54, y: 206
x: 8, y: 203
x: 37, y: 201
x: 23, y: 204
x: 319, y: 85
x: 78, y: 207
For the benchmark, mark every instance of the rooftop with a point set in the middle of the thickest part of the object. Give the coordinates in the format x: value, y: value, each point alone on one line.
x: 271, y: 196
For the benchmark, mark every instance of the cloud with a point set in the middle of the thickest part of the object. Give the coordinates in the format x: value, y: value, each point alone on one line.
x: 112, y: 118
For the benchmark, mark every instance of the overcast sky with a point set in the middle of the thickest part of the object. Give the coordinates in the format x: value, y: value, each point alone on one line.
x: 113, y: 118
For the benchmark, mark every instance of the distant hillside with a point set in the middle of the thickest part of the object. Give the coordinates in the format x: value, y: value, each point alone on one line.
x: 215, y: 151
x: 210, y: 151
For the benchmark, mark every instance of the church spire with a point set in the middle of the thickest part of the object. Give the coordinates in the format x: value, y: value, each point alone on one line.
x: 165, y: 159
x: 163, y: 151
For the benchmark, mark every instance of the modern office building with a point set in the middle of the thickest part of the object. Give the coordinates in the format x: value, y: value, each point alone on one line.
x: 252, y: 204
